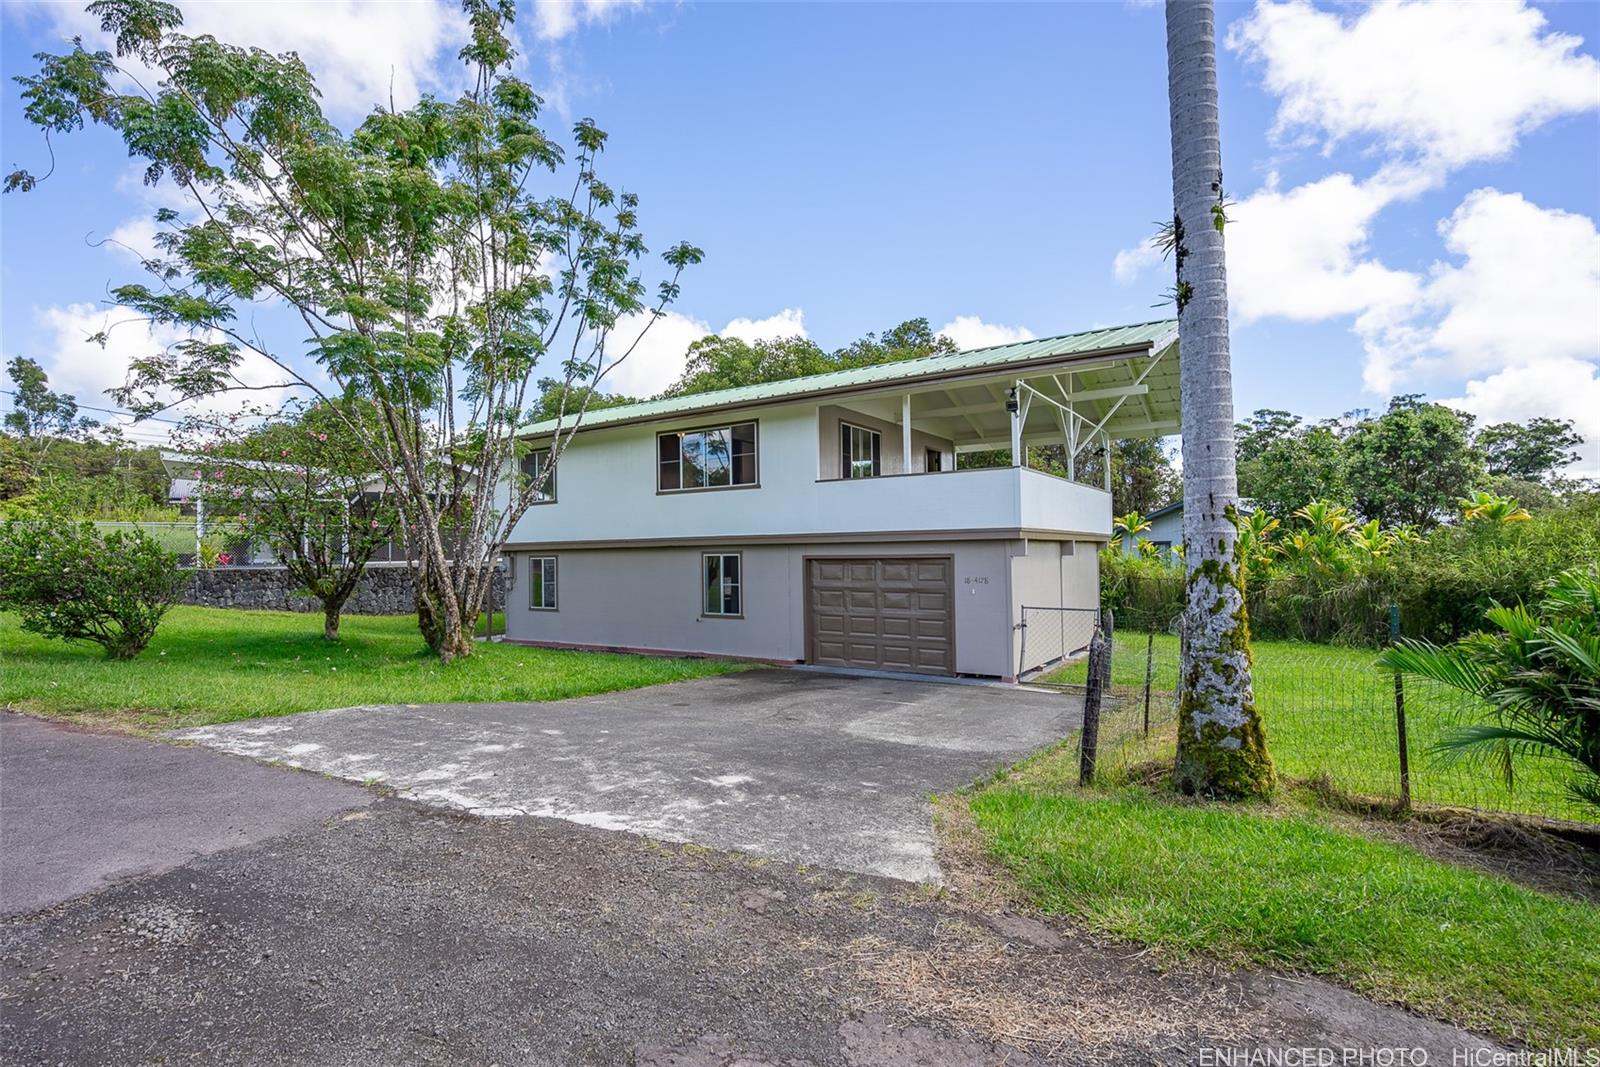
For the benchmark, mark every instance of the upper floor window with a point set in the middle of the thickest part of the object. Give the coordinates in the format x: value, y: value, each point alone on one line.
x: 713, y: 458
x: 861, y: 451
x: 535, y: 467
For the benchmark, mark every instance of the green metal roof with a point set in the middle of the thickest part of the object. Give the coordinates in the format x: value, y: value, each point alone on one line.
x: 994, y: 357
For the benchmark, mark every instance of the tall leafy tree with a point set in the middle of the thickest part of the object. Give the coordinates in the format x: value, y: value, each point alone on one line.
x: 435, y: 257
x: 301, y: 483
x: 1535, y: 451
x: 38, y: 415
x: 717, y: 362
x: 1284, y: 463
x: 1143, y: 477
x: 1222, y: 749
x: 1412, y: 463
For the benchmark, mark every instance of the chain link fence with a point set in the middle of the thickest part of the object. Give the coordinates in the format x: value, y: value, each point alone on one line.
x: 1333, y: 720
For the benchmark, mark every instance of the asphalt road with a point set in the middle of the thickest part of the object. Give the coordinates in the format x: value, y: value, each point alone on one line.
x: 793, y: 765
x: 81, y: 810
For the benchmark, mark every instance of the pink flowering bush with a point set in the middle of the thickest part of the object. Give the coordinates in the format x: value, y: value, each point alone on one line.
x: 68, y: 581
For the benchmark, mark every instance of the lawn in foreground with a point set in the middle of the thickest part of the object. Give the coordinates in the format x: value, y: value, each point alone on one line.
x: 1328, y: 712
x: 209, y: 665
x: 1278, y: 887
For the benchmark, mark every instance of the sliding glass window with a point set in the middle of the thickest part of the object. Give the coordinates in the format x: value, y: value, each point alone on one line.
x: 717, y: 457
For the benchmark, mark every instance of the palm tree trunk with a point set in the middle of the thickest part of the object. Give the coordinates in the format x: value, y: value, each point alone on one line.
x: 1222, y: 750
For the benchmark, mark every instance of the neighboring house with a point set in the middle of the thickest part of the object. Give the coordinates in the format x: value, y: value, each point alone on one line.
x: 1166, y: 531
x: 829, y: 519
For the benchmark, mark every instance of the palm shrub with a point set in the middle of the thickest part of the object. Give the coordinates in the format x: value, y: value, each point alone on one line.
x: 68, y: 581
x: 1539, y: 670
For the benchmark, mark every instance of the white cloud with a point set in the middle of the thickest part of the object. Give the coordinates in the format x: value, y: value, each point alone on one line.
x: 970, y: 331
x: 361, y: 52
x: 1130, y: 263
x: 656, y: 360
x: 83, y: 368
x: 790, y: 322
x: 1449, y: 83
x: 1557, y: 388
x: 1526, y: 290
x: 1302, y: 254
x: 555, y: 19
x: 659, y: 358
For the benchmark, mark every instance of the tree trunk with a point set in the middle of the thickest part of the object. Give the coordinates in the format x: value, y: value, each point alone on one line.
x: 330, y: 618
x: 1222, y: 750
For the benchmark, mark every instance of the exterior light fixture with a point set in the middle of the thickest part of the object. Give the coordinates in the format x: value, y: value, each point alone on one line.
x: 1011, y: 401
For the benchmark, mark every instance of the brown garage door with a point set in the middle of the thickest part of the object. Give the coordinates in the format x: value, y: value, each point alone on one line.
x: 888, y: 614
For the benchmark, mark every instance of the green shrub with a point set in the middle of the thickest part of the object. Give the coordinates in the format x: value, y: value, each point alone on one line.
x: 68, y: 581
x: 1317, y: 581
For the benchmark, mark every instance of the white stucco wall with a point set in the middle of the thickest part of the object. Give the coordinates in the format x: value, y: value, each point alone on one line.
x: 606, y: 492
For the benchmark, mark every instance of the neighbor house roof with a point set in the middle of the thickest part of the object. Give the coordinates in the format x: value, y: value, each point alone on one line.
x: 1144, y: 338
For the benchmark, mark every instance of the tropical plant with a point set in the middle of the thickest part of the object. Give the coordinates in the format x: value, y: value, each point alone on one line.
x: 436, y: 257
x: 67, y: 581
x: 1132, y: 525
x: 1487, y: 507
x: 1539, y: 670
x: 1256, y: 548
x: 1222, y: 749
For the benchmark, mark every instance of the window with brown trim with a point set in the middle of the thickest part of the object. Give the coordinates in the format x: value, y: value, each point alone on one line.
x: 536, y: 466
x: 722, y: 583
x: 860, y: 452
x: 714, y: 457
x: 542, y: 583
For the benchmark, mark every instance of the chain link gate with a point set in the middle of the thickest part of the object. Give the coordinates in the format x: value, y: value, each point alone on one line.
x: 1050, y: 637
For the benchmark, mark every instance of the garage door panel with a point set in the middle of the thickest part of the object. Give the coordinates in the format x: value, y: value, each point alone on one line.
x: 898, y: 627
x: 895, y: 571
x: 823, y: 570
x: 890, y: 613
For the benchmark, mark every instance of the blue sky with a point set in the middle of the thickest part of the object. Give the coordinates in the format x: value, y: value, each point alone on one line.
x: 1416, y: 185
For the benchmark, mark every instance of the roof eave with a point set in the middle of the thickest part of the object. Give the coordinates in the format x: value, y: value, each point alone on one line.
x: 932, y: 378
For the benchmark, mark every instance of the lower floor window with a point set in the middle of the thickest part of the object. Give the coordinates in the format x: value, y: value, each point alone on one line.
x: 542, y: 583
x: 723, y: 594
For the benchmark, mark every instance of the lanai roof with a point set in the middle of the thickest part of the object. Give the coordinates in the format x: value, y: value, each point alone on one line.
x: 1121, y: 379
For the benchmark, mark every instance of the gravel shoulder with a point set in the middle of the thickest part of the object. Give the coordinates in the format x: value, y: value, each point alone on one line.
x: 402, y: 933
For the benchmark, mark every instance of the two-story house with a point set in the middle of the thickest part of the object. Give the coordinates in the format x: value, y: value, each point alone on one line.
x: 830, y: 520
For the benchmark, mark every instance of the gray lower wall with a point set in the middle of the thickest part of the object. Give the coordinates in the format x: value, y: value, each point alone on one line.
x: 649, y: 598
x: 1054, y: 574
x: 385, y: 589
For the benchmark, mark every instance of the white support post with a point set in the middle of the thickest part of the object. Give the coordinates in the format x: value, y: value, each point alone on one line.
x: 905, y: 434
x: 199, y: 526
x: 1015, y: 399
x: 1105, y: 443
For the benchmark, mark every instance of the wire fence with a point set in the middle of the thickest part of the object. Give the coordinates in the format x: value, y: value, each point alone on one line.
x: 1333, y: 719
x: 222, y: 545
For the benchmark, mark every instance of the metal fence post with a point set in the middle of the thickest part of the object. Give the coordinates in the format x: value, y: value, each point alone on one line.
x: 1149, y: 671
x: 1108, y: 625
x: 1089, y: 737
x: 1400, y: 714
x: 1022, y: 645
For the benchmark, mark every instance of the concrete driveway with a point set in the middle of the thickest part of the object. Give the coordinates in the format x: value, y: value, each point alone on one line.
x: 795, y: 765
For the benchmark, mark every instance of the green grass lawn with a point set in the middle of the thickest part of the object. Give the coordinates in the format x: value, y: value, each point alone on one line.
x: 1284, y: 889
x: 1327, y: 711
x: 211, y: 665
